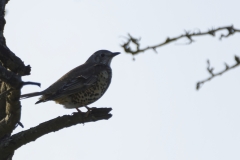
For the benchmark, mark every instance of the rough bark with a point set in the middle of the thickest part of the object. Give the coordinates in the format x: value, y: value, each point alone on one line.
x: 10, y: 144
x: 11, y: 69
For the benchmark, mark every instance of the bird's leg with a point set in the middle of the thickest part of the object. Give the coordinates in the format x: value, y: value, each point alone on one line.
x: 78, y: 110
x: 89, y: 110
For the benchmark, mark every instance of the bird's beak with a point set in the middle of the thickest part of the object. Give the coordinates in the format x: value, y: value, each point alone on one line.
x: 115, y: 53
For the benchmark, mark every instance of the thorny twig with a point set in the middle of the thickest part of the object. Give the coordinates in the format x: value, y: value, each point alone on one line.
x: 212, y: 75
x: 189, y: 35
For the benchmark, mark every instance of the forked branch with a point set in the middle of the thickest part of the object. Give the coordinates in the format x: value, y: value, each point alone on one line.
x: 213, y: 75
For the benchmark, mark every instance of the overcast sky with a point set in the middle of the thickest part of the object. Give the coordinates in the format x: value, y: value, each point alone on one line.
x: 157, y: 113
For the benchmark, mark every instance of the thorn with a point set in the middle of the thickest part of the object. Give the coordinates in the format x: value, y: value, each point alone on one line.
x: 208, y: 62
x: 154, y: 49
x: 237, y: 59
x: 20, y: 124
x: 198, y: 86
x: 167, y: 40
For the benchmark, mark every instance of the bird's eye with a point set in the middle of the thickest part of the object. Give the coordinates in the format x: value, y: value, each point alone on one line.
x: 102, y: 55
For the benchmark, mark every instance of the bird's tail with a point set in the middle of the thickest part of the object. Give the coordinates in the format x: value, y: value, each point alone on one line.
x: 30, y: 95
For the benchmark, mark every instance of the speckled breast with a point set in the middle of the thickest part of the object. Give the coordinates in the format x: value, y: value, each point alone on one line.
x: 92, y: 93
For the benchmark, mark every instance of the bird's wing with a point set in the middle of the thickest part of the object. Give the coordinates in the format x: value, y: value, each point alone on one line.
x: 77, y: 83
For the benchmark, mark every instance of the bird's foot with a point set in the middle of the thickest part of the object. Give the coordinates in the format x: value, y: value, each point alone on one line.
x: 89, y: 110
x: 78, y: 110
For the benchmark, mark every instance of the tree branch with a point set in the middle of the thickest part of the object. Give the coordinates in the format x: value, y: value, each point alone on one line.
x: 11, y: 70
x: 7, y: 57
x: 189, y: 35
x: 12, y: 111
x: 13, y: 80
x: 8, y: 145
x: 9, y: 77
x: 212, y: 75
x: 11, y: 108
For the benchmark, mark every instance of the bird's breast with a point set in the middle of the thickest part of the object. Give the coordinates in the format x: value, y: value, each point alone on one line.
x: 91, y: 93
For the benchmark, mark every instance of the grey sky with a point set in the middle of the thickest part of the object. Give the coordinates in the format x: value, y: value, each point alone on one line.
x: 157, y: 113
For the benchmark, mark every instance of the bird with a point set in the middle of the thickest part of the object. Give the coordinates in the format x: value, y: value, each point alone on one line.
x: 82, y: 85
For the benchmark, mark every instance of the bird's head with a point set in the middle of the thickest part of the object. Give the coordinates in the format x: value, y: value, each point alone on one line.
x: 102, y: 57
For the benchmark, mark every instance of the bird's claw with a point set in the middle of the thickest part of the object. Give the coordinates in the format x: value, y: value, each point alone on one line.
x: 89, y: 110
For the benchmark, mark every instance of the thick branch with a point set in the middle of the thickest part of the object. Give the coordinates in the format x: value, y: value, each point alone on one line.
x: 9, y: 77
x: 11, y: 70
x: 14, y: 142
x: 9, y: 99
x: 12, y: 116
x: 189, y: 35
x: 10, y: 105
x: 13, y: 113
x: 212, y: 75
x: 7, y: 57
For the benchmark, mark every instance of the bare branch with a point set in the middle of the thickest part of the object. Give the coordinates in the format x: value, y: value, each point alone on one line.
x: 212, y: 75
x: 8, y: 145
x: 189, y: 35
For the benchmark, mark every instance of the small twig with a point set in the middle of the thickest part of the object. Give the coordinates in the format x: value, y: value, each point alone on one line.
x: 20, y: 124
x: 126, y: 46
x: 32, y: 83
x: 210, y: 71
x: 3, y: 94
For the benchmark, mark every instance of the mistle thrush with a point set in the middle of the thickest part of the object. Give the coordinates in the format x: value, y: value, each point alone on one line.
x: 82, y: 85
